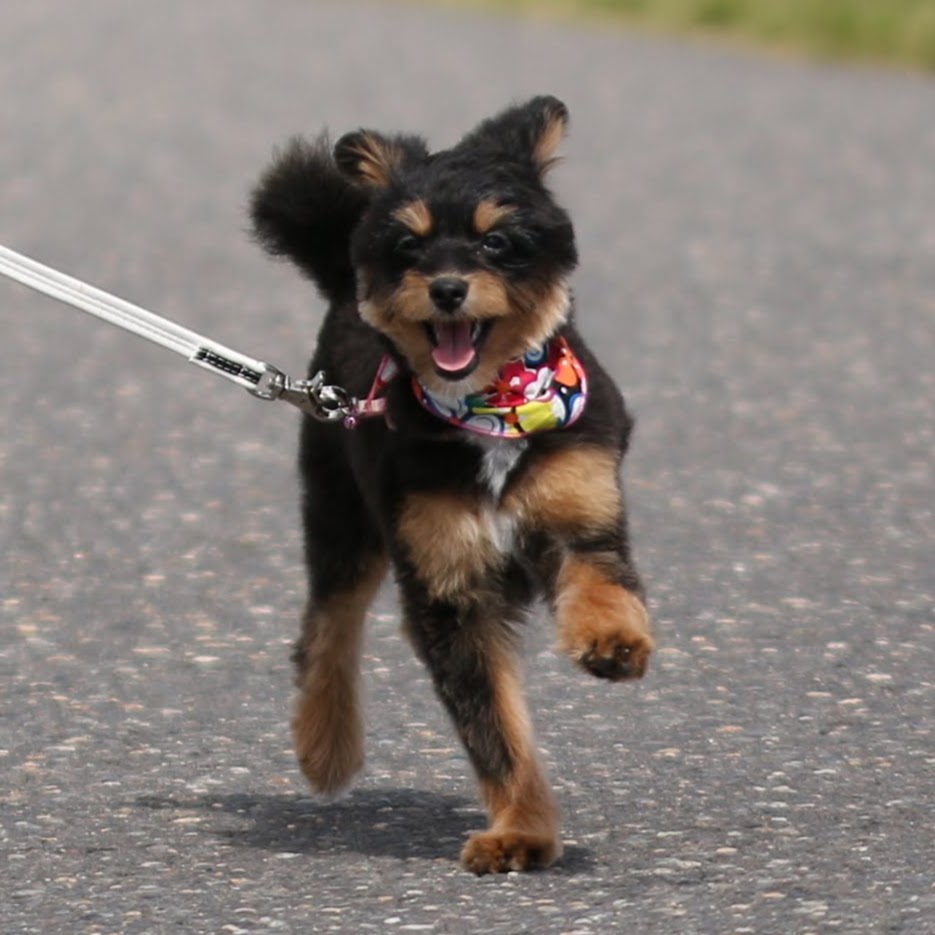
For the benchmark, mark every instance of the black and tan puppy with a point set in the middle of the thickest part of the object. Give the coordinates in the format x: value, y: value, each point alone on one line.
x: 493, y: 474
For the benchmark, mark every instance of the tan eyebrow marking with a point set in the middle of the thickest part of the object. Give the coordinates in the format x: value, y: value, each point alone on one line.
x: 489, y: 213
x: 416, y: 216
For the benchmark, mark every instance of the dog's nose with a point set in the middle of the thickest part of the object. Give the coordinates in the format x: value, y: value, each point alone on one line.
x: 448, y: 292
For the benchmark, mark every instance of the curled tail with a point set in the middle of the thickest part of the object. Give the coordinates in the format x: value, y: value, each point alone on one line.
x: 305, y: 209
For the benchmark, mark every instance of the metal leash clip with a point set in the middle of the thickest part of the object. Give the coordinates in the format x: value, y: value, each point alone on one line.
x: 322, y: 401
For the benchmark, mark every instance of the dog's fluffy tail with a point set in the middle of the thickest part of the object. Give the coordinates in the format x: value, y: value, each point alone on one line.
x: 304, y: 209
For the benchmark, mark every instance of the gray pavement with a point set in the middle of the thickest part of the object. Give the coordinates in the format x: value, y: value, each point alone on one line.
x: 758, y: 242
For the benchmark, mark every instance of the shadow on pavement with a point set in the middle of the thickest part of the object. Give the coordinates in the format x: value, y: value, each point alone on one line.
x: 399, y: 823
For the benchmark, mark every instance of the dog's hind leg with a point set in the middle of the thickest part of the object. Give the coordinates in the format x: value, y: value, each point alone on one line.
x: 346, y: 566
x: 328, y: 725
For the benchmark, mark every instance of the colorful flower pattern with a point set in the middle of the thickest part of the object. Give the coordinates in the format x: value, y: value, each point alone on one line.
x: 546, y: 389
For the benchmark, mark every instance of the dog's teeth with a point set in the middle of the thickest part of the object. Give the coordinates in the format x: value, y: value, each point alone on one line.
x: 475, y: 331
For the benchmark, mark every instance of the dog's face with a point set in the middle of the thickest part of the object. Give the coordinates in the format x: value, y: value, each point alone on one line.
x: 462, y: 256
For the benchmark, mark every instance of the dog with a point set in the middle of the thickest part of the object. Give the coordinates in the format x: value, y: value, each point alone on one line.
x: 491, y: 476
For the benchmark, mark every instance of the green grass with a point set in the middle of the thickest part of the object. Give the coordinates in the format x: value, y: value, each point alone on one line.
x: 899, y: 32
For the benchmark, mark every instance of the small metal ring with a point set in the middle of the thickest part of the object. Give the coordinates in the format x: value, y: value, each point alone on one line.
x: 331, y: 402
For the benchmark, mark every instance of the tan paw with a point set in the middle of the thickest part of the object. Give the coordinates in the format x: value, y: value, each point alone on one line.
x: 328, y: 743
x: 501, y: 851
x: 604, y: 627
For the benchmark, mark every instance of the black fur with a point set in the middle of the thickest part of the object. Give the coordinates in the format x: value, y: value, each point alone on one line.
x: 309, y: 224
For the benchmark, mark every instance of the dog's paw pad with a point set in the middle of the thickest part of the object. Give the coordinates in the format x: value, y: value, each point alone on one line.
x: 606, y: 631
x: 502, y: 851
x: 618, y: 658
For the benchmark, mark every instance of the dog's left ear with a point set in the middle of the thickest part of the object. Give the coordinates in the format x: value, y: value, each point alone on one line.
x: 373, y: 160
x: 530, y: 131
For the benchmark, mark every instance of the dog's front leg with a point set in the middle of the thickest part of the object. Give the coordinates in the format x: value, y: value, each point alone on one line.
x: 452, y: 577
x: 475, y: 672
x: 575, y: 495
x: 602, y: 624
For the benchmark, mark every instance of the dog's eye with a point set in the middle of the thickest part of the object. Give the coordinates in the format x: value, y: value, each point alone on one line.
x: 496, y: 244
x: 408, y: 245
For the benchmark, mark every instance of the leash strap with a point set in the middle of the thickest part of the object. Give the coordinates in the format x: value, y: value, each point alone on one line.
x: 314, y: 397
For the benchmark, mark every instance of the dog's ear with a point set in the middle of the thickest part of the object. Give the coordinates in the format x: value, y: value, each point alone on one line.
x: 527, y: 132
x: 373, y: 160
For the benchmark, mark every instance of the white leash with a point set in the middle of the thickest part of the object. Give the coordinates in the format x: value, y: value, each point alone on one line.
x: 314, y: 397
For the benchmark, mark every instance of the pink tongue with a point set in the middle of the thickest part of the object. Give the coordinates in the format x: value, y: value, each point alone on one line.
x: 455, y: 350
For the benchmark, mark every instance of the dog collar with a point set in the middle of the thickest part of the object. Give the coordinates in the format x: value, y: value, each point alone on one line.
x: 545, y: 389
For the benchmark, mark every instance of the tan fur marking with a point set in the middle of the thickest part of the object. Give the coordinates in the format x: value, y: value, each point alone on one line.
x: 601, y: 625
x: 543, y: 154
x: 328, y: 727
x: 524, y: 830
x: 377, y: 160
x: 416, y: 216
x: 533, y: 318
x: 487, y: 296
x: 451, y: 541
x: 488, y: 214
x: 571, y: 489
x: 411, y: 302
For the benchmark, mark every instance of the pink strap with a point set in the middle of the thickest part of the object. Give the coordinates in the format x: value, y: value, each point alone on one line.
x: 374, y: 404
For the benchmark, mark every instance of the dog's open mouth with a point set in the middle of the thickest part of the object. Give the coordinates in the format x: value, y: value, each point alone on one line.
x: 456, y: 345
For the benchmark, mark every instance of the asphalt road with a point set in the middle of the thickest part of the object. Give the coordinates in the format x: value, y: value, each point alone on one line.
x: 758, y: 242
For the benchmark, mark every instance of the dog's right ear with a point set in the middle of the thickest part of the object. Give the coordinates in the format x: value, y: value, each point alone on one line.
x: 373, y: 160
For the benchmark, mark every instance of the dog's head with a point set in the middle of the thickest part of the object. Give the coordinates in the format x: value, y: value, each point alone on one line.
x: 462, y: 256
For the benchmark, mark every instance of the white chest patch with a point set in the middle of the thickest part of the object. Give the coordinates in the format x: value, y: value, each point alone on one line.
x: 500, y: 457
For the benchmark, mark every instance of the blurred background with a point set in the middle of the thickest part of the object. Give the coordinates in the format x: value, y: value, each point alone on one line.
x: 896, y: 32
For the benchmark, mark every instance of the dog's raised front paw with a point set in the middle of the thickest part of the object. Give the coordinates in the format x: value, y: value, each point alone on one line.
x: 605, y: 628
